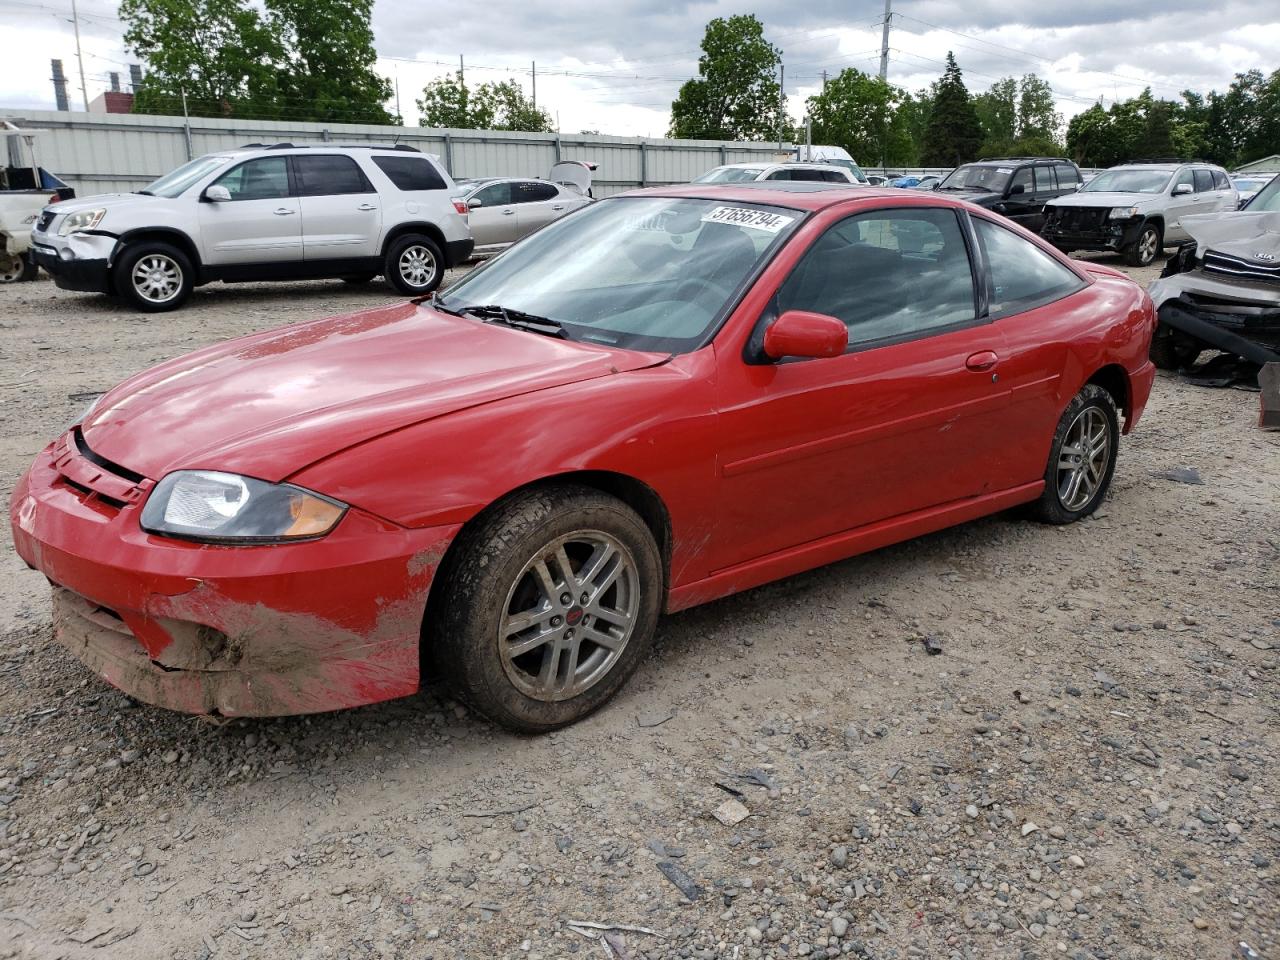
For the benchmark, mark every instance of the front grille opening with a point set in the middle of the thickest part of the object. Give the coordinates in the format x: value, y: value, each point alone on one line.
x: 85, y: 492
x: 103, y: 462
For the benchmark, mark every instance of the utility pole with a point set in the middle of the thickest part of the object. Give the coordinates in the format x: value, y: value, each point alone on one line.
x: 824, y: 79
x: 884, y: 41
x: 533, y: 64
x: 186, y: 124
x: 59, y: 86
x: 75, y: 21
x: 398, y: 113
x: 462, y: 76
x: 782, y: 93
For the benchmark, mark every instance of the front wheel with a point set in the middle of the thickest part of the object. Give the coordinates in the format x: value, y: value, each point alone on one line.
x: 1082, y: 458
x: 16, y: 267
x: 547, y: 607
x: 153, y: 276
x: 414, y: 265
x: 1143, y: 250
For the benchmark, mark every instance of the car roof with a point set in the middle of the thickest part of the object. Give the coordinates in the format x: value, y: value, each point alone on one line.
x: 797, y: 194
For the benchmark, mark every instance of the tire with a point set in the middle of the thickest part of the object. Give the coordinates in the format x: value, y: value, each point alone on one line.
x: 16, y: 267
x: 495, y: 570
x: 414, y: 265
x: 1143, y: 251
x: 31, y: 270
x: 1174, y: 350
x: 360, y: 279
x: 1094, y: 409
x: 153, y: 276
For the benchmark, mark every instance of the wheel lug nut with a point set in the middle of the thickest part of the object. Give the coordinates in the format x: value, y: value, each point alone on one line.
x: 556, y: 621
x: 568, y: 634
x: 566, y: 599
x: 584, y: 599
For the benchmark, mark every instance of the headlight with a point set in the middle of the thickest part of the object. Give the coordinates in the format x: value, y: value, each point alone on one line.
x: 81, y: 220
x: 1123, y: 213
x: 225, y: 508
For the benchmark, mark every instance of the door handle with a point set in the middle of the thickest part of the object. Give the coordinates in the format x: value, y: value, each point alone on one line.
x: 508, y: 212
x: 283, y: 211
x: 367, y: 206
x: 982, y: 360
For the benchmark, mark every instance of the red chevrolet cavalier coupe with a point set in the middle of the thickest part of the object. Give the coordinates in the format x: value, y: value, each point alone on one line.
x: 665, y: 398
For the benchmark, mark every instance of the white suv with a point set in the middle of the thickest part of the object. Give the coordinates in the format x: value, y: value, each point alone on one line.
x: 816, y: 172
x: 1136, y: 209
x: 275, y: 212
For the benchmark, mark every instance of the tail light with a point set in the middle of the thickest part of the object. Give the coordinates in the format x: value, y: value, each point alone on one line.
x: 55, y: 198
x: 460, y: 205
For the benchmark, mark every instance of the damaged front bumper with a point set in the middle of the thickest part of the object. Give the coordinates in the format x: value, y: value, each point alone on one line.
x: 1230, y: 316
x: 78, y: 261
x: 269, y: 630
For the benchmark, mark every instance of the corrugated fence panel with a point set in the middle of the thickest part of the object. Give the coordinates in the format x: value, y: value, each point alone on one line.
x: 103, y: 153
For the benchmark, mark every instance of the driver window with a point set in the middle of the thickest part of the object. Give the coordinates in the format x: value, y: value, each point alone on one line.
x: 1185, y: 177
x: 1021, y: 179
x: 890, y: 275
x: 266, y: 178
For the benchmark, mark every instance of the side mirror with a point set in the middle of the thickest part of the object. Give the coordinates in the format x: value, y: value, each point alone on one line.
x: 799, y: 333
x: 1016, y: 189
x: 1182, y: 189
x: 216, y: 194
x: 474, y: 202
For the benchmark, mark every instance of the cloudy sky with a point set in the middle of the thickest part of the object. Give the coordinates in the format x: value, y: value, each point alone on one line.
x: 615, y: 66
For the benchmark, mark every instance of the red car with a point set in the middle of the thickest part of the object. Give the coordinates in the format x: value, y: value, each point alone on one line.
x: 662, y: 399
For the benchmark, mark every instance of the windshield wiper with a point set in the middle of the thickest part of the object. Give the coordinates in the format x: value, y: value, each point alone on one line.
x: 517, y: 319
x: 438, y: 304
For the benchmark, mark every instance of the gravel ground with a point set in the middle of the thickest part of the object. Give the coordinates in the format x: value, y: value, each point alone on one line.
x: 1087, y: 768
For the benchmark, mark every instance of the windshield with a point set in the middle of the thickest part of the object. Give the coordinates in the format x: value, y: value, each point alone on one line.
x: 1128, y: 181
x: 1244, y: 185
x: 973, y: 176
x: 730, y: 175
x: 646, y: 273
x: 173, y: 184
x: 1266, y: 199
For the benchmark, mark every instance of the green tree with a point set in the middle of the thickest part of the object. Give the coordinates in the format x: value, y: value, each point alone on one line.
x: 329, y: 64
x: 1038, y: 117
x: 954, y: 134
x: 855, y: 111
x: 736, y: 95
x: 997, y: 111
x: 511, y: 109
x: 222, y: 53
x: 910, y: 124
x: 448, y: 102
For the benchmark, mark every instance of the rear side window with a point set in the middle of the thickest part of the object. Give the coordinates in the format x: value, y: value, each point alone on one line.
x: 328, y: 175
x: 1220, y: 181
x: 1204, y: 181
x: 809, y: 175
x: 1044, y: 179
x: 890, y: 275
x: 1068, y: 178
x: 779, y: 175
x: 531, y: 191
x: 834, y: 176
x: 410, y: 173
x: 1022, y: 275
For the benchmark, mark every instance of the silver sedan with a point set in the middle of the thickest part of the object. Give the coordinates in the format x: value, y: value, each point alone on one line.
x: 502, y: 210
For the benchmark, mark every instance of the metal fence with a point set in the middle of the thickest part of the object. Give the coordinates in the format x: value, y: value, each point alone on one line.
x: 105, y: 153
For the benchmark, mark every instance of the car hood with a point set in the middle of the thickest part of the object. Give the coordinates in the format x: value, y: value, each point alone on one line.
x: 1102, y: 198
x: 983, y: 198
x: 271, y: 404
x: 1239, y: 233
x: 112, y: 201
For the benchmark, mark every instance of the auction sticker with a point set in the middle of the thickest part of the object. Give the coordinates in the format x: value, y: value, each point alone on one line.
x: 746, y: 217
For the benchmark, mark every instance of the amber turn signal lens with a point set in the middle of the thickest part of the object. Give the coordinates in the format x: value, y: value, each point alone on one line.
x: 311, y: 516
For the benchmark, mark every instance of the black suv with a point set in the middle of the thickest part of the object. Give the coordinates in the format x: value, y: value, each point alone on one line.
x: 1017, y: 187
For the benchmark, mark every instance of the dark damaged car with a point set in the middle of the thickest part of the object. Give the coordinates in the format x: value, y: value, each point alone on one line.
x: 1221, y: 290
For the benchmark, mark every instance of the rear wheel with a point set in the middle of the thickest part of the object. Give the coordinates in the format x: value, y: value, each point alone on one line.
x: 414, y: 265
x: 1082, y: 458
x: 16, y: 267
x: 547, y: 607
x: 1143, y: 250
x: 153, y: 276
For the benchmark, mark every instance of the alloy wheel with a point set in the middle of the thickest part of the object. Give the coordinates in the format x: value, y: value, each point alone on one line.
x: 417, y: 265
x: 569, y: 615
x: 1147, y: 245
x: 157, y: 278
x: 1083, y: 459
x: 12, y: 268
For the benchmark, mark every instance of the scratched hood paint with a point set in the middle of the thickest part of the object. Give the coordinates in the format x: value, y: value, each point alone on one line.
x: 271, y: 404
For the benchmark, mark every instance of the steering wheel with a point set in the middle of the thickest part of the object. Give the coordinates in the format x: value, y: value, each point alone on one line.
x: 704, y: 286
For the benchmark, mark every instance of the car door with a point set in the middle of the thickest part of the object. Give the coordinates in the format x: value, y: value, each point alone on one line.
x: 537, y: 203
x: 1020, y: 196
x: 341, y: 211
x: 492, y: 215
x: 262, y: 221
x: 910, y: 417
x: 1228, y: 198
x: 1028, y: 297
x: 1180, y: 205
